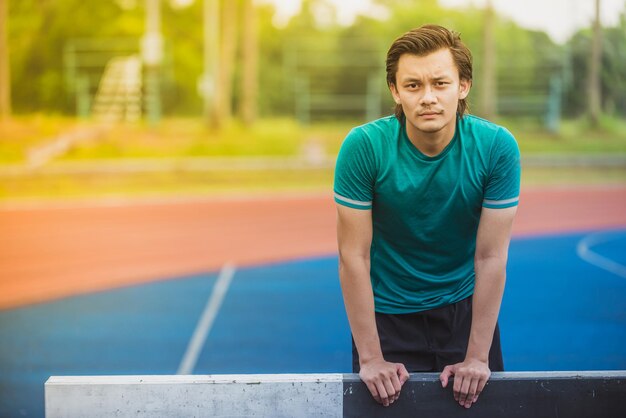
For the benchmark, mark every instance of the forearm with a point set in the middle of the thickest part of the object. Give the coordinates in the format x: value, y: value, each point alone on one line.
x: 489, y: 288
x: 354, y: 274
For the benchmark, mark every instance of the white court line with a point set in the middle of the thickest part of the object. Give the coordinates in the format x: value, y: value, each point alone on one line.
x: 198, y: 339
x: 583, y: 249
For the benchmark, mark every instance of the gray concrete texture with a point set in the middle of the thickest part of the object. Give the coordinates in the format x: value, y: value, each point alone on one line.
x: 513, y: 394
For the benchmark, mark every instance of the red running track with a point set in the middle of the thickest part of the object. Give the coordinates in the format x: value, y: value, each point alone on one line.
x: 53, y: 251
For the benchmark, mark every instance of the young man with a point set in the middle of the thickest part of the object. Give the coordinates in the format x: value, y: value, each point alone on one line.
x: 426, y: 199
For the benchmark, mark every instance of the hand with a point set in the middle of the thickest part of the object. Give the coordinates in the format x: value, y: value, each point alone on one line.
x: 384, y: 379
x: 470, y: 378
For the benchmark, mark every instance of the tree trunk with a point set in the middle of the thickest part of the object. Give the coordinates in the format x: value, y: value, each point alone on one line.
x: 489, y: 74
x: 227, y: 56
x: 250, y: 58
x: 594, y: 109
x: 211, y: 80
x: 5, y: 74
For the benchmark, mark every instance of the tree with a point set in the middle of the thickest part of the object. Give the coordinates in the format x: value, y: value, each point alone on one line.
x: 613, y: 76
x: 5, y: 76
x: 488, y: 85
x: 227, y: 57
x: 212, y: 84
x: 595, y: 70
x: 250, y: 58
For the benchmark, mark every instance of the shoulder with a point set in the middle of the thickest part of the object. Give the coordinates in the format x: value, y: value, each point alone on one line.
x: 376, y: 133
x: 366, y: 147
x: 476, y: 126
x: 383, y: 126
x: 487, y: 134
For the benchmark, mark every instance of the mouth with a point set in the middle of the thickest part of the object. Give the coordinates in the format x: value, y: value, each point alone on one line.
x: 429, y: 114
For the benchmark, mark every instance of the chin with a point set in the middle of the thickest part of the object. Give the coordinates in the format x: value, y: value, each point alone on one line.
x: 429, y: 127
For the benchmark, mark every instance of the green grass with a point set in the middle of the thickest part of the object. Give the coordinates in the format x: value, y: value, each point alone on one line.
x: 180, y: 137
x: 283, y: 137
x: 165, y: 183
x: 574, y: 137
x: 22, y: 133
x: 188, y: 137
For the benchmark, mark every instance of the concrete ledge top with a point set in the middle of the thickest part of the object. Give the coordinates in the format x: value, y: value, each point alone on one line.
x: 197, y: 379
x: 313, y: 378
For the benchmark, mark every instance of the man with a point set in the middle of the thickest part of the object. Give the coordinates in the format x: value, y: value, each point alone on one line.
x: 426, y: 199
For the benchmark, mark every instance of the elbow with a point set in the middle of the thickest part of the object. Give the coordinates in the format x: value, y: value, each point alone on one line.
x: 490, y: 258
x: 350, y: 257
x: 349, y: 263
x: 491, y: 254
x: 490, y: 262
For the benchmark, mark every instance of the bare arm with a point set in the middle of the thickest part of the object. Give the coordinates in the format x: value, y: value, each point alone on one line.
x: 354, y: 236
x: 492, y: 245
x: 492, y: 248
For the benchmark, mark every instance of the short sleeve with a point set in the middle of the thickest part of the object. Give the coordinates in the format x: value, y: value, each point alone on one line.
x: 503, y: 184
x: 355, y: 172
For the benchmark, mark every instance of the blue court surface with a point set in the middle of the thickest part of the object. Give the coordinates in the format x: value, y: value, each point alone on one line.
x: 563, y: 309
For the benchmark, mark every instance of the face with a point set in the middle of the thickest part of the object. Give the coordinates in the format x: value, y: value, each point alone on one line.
x: 429, y: 89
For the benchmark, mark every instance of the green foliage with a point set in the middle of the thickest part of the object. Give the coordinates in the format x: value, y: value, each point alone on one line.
x: 38, y: 31
x: 612, y: 78
x: 335, y: 60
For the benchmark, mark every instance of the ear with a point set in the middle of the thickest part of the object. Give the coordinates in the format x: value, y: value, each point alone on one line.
x: 394, y: 93
x: 464, y: 88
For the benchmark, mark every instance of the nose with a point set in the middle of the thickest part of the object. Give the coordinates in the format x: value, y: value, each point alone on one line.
x: 429, y: 96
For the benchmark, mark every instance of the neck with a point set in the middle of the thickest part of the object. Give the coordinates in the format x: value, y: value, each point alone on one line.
x: 430, y: 143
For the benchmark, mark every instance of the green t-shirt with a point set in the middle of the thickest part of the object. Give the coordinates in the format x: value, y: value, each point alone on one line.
x: 425, y: 210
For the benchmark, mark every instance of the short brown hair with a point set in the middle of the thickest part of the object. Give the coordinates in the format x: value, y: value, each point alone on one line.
x: 425, y: 40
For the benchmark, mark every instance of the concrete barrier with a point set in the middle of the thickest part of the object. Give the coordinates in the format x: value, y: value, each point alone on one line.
x: 510, y: 394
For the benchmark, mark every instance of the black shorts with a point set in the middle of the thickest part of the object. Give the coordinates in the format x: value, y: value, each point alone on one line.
x: 430, y: 340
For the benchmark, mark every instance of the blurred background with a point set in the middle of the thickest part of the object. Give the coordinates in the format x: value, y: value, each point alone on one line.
x: 152, y: 150
x: 144, y: 97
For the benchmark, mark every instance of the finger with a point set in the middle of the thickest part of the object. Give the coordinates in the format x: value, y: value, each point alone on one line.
x: 403, y: 373
x: 382, y: 392
x: 391, y: 391
x: 467, y: 381
x: 395, y: 381
x: 481, y: 387
x: 456, y: 388
x: 447, y: 372
x: 471, y: 394
x: 374, y: 392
